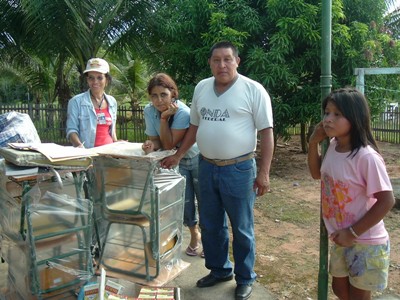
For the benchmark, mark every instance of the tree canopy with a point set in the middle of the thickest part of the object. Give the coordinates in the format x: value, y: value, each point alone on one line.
x: 279, y: 43
x: 58, y: 37
x: 46, y: 45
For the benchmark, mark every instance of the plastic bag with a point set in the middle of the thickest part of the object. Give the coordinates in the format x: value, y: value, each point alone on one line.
x: 17, y: 127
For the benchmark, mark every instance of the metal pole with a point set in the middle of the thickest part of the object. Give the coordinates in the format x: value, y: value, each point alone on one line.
x: 360, y: 81
x: 326, y: 86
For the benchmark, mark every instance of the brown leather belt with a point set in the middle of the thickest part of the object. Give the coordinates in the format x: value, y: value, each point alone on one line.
x: 227, y: 162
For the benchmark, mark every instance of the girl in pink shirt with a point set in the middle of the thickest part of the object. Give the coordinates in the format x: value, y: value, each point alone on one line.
x: 356, y: 195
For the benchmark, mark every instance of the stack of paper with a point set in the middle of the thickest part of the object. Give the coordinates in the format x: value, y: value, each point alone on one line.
x: 55, y: 152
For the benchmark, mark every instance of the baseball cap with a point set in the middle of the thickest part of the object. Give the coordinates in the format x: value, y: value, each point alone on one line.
x: 97, y: 65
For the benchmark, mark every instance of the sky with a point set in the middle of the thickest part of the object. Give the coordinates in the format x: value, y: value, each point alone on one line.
x: 397, y: 4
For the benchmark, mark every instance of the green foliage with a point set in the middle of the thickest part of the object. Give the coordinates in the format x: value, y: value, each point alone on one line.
x: 58, y: 37
x: 282, y: 111
x: 10, y: 91
x: 46, y: 46
x: 130, y: 77
x: 218, y: 31
x: 279, y: 43
x: 364, y: 11
x: 181, y: 40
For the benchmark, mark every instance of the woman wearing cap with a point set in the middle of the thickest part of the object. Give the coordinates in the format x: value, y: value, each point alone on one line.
x: 92, y: 115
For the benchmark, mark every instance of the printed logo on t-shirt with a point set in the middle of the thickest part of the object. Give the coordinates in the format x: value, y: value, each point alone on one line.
x: 214, y: 114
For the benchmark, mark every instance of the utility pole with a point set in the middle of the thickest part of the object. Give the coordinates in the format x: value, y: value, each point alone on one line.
x: 326, y: 86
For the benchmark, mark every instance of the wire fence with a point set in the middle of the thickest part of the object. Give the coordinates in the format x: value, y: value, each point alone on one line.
x: 50, y: 120
x: 385, y: 127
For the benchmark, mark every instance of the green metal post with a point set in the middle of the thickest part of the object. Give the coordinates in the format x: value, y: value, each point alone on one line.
x: 326, y: 86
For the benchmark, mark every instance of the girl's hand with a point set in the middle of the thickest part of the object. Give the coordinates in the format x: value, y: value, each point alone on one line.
x: 172, y: 109
x: 318, y: 134
x: 343, y: 238
x: 148, y: 146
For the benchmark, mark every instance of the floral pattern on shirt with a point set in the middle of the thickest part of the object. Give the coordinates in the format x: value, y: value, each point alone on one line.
x: 335, y: 198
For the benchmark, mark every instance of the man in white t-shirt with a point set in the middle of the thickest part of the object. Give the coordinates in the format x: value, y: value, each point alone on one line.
x: 227, y: 112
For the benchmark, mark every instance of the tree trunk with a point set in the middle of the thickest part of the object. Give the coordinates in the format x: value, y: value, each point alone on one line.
x: 304, y: 144
x: 63, y: 93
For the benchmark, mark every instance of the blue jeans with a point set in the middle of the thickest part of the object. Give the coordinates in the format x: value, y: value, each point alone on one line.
x: 189, y: 167
x: 228, y: 192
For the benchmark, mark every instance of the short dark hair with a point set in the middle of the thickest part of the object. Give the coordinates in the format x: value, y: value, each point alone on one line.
x: 224, y: 44
x: 162, y: 79
x: 354, y: 107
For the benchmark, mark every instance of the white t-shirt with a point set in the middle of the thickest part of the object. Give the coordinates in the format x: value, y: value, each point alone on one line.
x: 228, y: 123
x: 348, y: 185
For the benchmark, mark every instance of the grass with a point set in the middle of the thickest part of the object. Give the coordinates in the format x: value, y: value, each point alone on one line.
x: 299, y: 214
x: 285, y: 204
x: 287, y: 259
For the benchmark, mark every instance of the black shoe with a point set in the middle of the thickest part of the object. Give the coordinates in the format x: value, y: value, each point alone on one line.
x: 243, y: 291
x: 211, y: 280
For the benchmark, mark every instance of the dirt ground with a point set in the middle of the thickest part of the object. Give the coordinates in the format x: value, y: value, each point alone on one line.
x: 288, y: 226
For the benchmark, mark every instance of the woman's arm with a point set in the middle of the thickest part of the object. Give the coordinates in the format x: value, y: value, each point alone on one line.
x: 188, y: 141
x: 75, y: 141
x: 169, y: 138
x: 73, y: 123
x: 114, y: 134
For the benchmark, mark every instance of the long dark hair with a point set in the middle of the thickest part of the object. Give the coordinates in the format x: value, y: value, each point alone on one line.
x: 354, y: 107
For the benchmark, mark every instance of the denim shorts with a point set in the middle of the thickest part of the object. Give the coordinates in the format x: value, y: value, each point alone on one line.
x: 367, y: 266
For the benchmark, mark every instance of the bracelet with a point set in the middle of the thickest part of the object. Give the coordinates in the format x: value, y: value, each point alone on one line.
x: 353, y: 232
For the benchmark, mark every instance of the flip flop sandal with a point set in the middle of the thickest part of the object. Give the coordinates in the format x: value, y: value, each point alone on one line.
x: 191, y: 251
x: 202, y: 254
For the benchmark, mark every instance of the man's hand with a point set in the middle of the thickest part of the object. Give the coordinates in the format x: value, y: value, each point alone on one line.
x: 261, y: 184
x: 170, y: 161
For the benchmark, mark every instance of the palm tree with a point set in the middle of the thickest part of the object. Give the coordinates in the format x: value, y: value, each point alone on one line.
x: 392, y: 19
x: 130, y: 80
x: 63, y: 34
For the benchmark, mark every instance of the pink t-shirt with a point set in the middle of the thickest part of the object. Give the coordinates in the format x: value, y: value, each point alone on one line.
x: 104, y: 122
x: 348, y: 186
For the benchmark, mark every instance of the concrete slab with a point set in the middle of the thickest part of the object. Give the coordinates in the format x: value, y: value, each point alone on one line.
x: 187, y: 279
